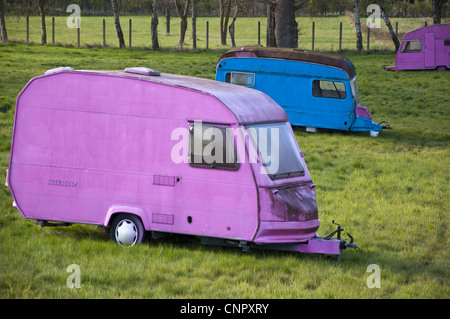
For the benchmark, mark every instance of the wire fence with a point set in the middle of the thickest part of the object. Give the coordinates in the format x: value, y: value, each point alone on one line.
x: 316, y: 33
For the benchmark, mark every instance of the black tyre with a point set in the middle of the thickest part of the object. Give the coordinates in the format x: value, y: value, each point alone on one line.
x: 127, y: 230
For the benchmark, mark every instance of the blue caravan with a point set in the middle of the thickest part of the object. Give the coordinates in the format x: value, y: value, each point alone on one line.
x: 317, y: 90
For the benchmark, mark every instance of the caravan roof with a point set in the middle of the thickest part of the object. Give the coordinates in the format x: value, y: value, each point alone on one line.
x: 245, y: 104
x: 322, y: 58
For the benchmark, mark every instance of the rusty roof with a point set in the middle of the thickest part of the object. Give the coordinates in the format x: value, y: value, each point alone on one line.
x: 322, y: 58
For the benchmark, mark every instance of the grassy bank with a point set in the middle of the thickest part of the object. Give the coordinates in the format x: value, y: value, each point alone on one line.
x: 390, y: 193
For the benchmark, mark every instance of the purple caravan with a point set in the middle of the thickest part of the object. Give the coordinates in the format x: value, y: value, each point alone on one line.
x: 427, y: 48
x: 139, y: 152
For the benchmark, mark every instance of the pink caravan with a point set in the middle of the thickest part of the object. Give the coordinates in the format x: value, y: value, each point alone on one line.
x: 139, y: 153
x: 427, y: 48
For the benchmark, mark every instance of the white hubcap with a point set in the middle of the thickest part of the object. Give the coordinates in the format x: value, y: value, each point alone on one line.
x: 126, y: 233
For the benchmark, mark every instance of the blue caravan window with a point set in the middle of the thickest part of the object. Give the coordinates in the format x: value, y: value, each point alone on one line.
x: 241, y: 78
x: 329, y: 89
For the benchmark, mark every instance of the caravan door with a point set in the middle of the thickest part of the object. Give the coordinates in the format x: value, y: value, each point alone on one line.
x: 429, y: 52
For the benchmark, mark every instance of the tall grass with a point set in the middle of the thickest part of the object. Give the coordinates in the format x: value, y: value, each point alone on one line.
x: 390, y: 193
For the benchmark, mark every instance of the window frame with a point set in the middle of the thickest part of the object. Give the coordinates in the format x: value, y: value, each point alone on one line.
x: 405, y: 46
x: 221, y: 166
x: 341, y: 97
x: 276, y: 176
x: 229, y: 78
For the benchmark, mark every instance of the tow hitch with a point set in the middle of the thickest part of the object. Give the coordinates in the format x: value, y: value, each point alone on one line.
x: 386, y: 126
x: 342, y: 242
x: 316, y: 245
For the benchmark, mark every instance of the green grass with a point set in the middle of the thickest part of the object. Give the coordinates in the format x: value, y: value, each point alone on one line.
x: 391, y: 193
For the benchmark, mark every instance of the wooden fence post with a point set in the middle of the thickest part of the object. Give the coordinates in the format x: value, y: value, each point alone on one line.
x: 313, y: 31
x: 78, y: 31
x: 53, y: 30
x: 28, y: 29
x: 368, y: 37
x: 259, y: 32
x: 340, y: 37
x: 129, y: 34
x: 104, y: 34
x: 396, y: 28
x: 207, y: 35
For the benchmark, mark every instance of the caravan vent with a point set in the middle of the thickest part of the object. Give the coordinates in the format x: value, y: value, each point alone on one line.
x: 143, y: 71
x: 60, y: 69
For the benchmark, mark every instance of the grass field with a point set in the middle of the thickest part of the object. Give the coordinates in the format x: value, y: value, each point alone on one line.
x: 391, y: 193
x: 91, y: 34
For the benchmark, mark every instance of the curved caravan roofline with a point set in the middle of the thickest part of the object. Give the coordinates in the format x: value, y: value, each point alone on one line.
x: 321, y: 58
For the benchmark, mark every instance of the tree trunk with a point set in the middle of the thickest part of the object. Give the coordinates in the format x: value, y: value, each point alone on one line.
x: 270, y: 35
x: 183, y: 17
x: 391, y: 29
x: 41, y: 4
x: 154, y: 27
x: 437, y: 10
x: 224, y: 12
x: 231, y: 28
x: 117, y: 24
x: 3, y: 35
x: 194, y: 24
x: 359, y: 46
x: 286, y: 32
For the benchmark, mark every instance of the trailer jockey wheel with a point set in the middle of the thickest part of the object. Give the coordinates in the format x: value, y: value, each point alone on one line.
x: 127, y: 230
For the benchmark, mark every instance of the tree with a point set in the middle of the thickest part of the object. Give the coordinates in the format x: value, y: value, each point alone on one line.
x: 389, y: 25
x: 117, y: 23
x: 182, y: 13
x: 286, y: 32
x: 359, y: 45
x: 437, y: 10
x: 3, y: 34
x: 154, y: 27
x: 231, y: 28
x: 282, y: 27
x: 270, y: 33
x: 194, y: 24
x: 224, y: 13
x: 42, y: 7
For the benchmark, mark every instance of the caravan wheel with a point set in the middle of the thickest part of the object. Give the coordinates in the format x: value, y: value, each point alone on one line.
x: 127, y: 230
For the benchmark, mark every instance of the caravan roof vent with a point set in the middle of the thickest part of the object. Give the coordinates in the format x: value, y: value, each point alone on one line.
x: 143, y: 71
x: 57, y: 70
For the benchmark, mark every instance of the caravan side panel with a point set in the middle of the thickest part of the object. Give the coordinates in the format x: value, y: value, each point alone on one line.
x: 85, y: 144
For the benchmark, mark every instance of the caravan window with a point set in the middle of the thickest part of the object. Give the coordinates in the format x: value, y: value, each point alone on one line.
x: 411, y: 46
x: 329, y: 89
x: 211, y: 147
x: 278, y: 150
x: 241, y: 78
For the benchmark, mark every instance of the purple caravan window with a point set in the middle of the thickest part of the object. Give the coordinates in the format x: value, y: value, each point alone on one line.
x: 277, y: 149
x: 411, y: 46
x: 211, y: 147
